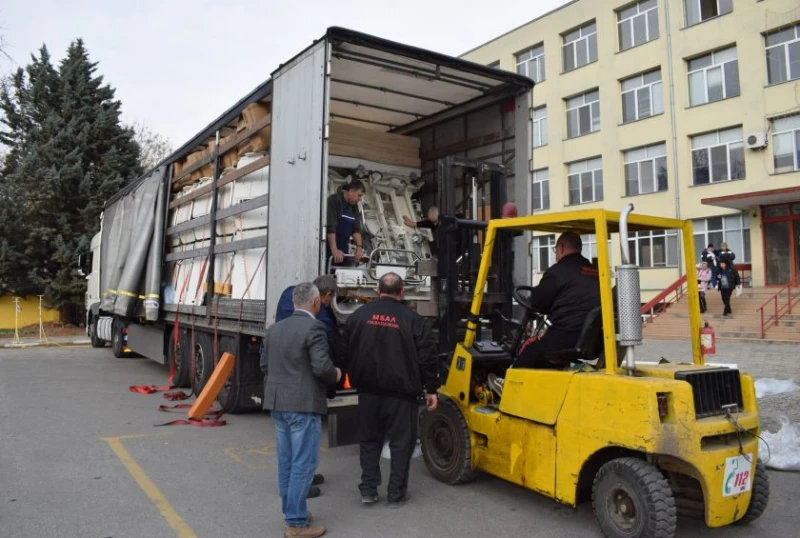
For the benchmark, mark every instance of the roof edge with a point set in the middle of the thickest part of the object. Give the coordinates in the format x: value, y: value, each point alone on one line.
x: 523, y: 25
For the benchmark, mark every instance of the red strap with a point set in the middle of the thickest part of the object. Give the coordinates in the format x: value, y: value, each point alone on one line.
x: 170, y: 408
x: 152, y: 389
x: 144, y: 389
x: 201, y: 422
x: 175, y: 396
x: 212, y: 418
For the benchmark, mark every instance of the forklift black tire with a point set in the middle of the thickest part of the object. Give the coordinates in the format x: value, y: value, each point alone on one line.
x: 117, y: 340
x: 759, y: 497
x: 632, y: 499
x: 180, y: 358
x: 202, y: 361
x: 446, y: 444
x: 96, y: 342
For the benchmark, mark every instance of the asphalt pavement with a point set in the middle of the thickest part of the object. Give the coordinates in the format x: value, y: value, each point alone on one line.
x: 80, y: 457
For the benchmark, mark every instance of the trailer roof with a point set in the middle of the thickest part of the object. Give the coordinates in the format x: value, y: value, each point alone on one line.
x: 389, y: 86
x: 379, y: 84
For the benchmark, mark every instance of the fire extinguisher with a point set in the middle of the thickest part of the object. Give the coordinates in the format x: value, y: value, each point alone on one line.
x: 708, y: 343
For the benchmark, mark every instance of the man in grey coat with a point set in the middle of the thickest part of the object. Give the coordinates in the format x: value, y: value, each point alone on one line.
x: 297, y: 369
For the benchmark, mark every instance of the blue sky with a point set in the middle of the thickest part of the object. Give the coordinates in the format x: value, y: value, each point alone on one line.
x: 177, y: 64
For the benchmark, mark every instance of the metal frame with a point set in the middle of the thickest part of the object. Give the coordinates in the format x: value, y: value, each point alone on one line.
x: 601, y: 223
x: 461, y: 234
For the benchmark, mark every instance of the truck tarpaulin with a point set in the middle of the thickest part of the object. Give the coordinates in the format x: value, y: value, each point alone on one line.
x: 130, y: 260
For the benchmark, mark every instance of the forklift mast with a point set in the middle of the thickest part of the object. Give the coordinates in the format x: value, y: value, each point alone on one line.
x: 470, y: 192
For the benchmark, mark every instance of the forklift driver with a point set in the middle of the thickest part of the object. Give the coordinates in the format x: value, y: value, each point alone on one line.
x: 567, y: 292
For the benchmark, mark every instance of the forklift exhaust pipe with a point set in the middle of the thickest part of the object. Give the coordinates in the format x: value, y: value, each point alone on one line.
x: 629, y: 296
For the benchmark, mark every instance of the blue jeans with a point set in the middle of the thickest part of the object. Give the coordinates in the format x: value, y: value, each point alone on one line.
x: 298, y: 455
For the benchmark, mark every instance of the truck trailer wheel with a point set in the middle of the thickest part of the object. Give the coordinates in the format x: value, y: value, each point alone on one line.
x: 180, y: 358
x: 632, y: 499
x: 118, y: 339
x: 228, y: 397
x: 96, y: 342
x: 759, y: 497
x: 202, y: 361
x: 446, y: 446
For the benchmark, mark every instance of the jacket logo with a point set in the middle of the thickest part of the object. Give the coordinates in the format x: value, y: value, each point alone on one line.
x: 382, y: 320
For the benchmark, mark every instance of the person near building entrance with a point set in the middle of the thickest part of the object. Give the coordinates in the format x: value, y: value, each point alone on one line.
x: 709, y: 255
x: 727, y: 280
x: 725, y: 254
x: 703, y: 279
x: 326, y: 284
x: 566, y: 293
x: 391, y: 359
x: 297, y: 358
x: 343, y: 222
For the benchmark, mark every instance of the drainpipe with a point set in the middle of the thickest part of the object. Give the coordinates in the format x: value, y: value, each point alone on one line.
x: 673, y: 125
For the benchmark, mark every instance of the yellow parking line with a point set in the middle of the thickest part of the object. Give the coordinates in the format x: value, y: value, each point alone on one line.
x: 148, y: 486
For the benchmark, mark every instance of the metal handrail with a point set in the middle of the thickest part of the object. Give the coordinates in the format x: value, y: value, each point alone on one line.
x: 676, y: 287
x: 777, y: 312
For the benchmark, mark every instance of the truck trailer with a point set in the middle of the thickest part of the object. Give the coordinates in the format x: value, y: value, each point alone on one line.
x: 192, y: 257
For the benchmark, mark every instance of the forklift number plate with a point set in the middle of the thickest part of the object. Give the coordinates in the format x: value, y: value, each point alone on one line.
x: 738, y: 475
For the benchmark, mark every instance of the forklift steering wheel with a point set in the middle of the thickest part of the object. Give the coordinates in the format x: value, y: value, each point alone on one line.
x: 523, y: 301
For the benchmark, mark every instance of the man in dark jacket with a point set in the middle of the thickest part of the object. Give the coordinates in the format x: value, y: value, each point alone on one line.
x: 326, y: 284
x: 567, y: 292
x: 391, y: 358
x: 297, y: 359
x: 343, y: 221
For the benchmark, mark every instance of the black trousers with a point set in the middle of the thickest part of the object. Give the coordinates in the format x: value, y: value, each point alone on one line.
x: 382, y: 417
x: 553, y: 340
x: 703, y: 305
x: 726, y: 300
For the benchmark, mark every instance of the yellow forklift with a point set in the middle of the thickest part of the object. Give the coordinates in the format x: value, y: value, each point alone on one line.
x: 642, y: 441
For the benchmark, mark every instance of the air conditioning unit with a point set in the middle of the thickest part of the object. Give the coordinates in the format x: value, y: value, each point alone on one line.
x: 756, y: 140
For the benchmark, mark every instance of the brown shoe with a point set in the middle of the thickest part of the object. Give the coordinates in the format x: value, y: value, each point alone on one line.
x: 308, y: 531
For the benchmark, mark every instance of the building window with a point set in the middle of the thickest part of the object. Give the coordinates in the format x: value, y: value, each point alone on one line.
x: 646, y: 170
x: 585, y: 181
x: 698, y: 11
x: 637, y: 24
x: 531, y: 63
x: 714, y: 77
x: 783, y: 54
x: 583, y: 114
x: 543, y: 255
x: 786, y: 143
x: 495, y: 64
x: 718, y: 156
x: 539, y: 126
x: 657, y: 248
x: 541, y: 190
x: 589, y: 250
x: 732, y: 229
x: 580, y: 46
x: 642, y: 96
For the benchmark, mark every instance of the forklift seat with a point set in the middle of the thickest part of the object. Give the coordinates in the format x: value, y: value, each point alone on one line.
x: 589, y: 342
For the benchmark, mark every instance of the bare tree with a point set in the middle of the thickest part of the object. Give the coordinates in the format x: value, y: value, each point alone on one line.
x: 153, y: 146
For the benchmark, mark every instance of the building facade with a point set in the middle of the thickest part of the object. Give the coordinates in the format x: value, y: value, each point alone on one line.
x: 685, y: 108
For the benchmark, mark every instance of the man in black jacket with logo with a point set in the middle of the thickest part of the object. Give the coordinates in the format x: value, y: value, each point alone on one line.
x: 567, y: 292
x: 391, y: 357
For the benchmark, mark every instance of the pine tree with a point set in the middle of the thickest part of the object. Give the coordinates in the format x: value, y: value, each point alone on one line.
x: 68, y: 154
